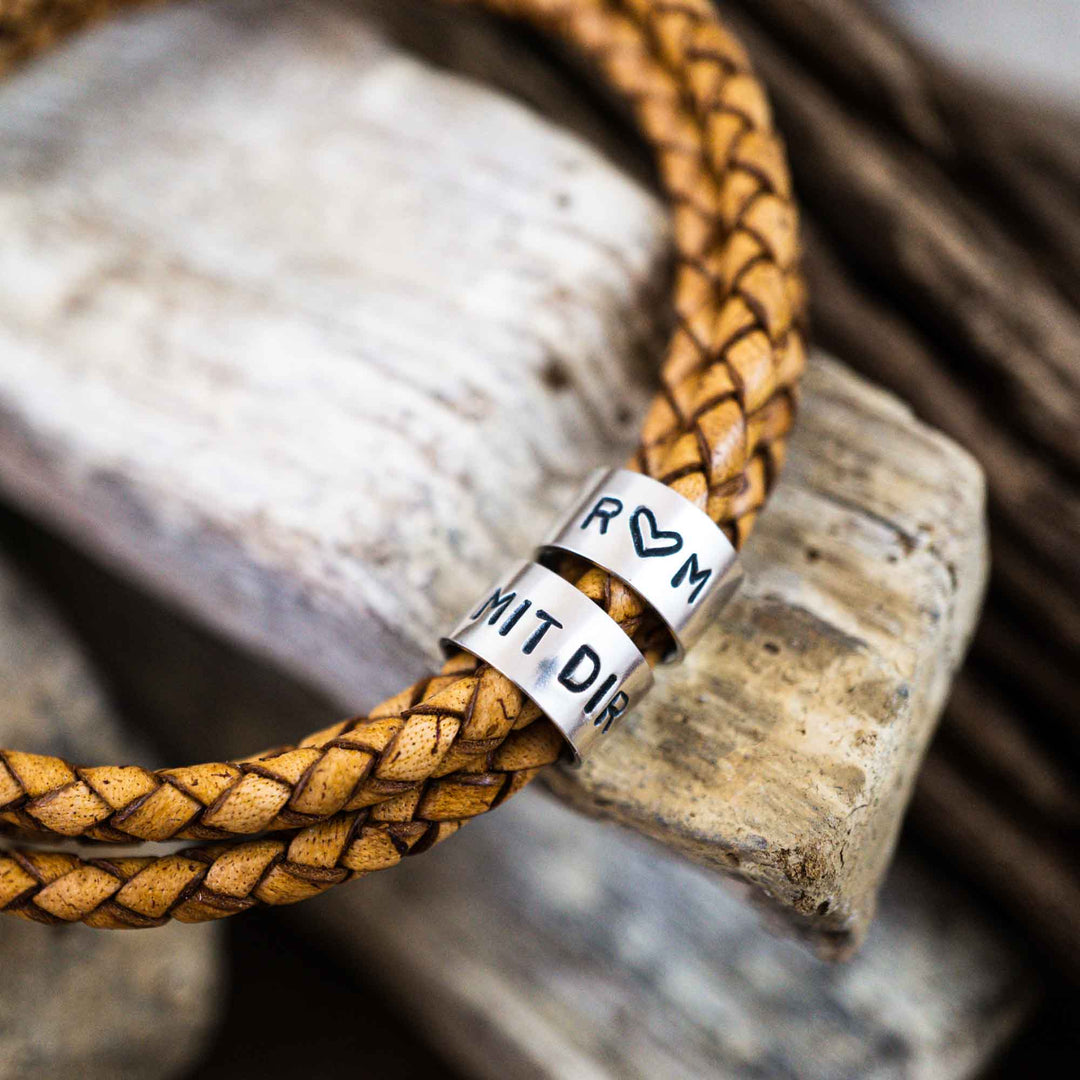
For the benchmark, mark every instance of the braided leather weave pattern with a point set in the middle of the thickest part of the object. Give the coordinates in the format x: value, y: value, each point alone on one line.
x: 362, y: 794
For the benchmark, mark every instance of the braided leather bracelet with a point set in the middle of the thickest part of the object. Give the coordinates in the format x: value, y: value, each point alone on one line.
x: 360, y: 795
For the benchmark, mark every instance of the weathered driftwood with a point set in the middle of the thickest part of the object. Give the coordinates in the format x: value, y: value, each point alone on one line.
x: 73, y: 1001
x: 783, y: 749
x: 235, y: 360
x: 917, y: 146
x: 948, y: 184
x: 581, y: 951
x: 188, y: 391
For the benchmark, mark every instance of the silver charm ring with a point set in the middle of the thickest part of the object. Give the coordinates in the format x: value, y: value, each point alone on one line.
x: 671, y: 554
x: 560, y: 649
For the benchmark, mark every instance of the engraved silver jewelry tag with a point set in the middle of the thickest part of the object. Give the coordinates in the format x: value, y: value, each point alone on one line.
x: 660, y: 544
x: 559, y: 648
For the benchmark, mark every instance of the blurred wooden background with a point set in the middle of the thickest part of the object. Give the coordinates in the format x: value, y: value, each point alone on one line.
x: 944, y: 223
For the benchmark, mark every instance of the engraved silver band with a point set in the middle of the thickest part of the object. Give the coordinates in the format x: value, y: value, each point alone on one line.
x: 672, y: 554
x: 559, y: 648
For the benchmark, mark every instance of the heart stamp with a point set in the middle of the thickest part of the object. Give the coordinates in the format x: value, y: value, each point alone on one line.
x: 666, y: 548
x: 660, y: 542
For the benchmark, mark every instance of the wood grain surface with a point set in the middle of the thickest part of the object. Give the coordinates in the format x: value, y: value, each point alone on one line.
x: 581, y: 951
x: 99, y: 1006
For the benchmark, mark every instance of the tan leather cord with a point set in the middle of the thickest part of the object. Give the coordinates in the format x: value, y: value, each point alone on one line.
x: 361, y: 794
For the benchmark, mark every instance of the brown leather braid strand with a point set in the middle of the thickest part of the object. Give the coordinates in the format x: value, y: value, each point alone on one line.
x: 367, y: 791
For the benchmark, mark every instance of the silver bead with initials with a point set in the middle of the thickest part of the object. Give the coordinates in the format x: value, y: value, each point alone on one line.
x: 660, y: 544
x: 560, y: 649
